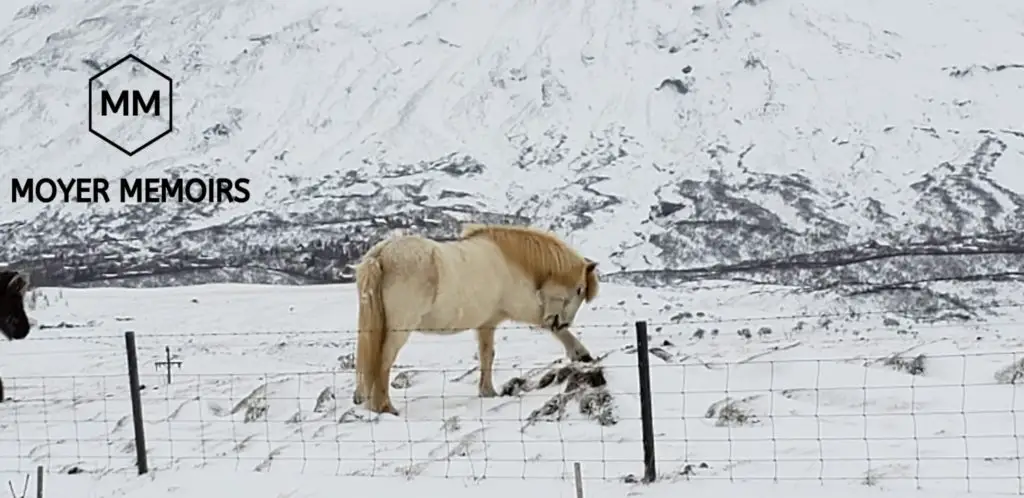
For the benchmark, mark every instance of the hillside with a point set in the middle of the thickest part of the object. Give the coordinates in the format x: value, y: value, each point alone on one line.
x: 803, y: 143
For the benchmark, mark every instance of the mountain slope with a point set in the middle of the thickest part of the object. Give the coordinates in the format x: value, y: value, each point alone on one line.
x: 653, y: 134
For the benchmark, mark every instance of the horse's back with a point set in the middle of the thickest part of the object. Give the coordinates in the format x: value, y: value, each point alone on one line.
x: 409, y: 278
x: 405, y: 254
x: 474, y: 279
x: 473, y: 265
x: 457, y: 285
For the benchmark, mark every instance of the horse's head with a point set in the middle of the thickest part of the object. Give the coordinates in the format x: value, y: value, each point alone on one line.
x: 13, y: 321
x: 561, y: 298
x: 563, y: 278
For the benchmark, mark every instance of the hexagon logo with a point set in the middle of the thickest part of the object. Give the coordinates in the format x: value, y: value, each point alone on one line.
x: 131, y: 105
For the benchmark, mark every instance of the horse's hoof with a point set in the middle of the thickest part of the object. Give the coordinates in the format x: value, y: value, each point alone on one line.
x: 386, y: 408
x: 488, y: 392
x: 586, y: 358
x: 357, y: 399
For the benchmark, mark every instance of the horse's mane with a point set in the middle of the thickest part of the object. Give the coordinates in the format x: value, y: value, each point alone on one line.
x: 538, y: 252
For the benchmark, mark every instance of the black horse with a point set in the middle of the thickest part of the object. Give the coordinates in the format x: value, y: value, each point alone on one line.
x: 14, y: 322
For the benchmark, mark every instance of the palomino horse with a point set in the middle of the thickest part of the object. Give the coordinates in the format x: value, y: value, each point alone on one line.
x: 491, y: 274
x: 13, y: 321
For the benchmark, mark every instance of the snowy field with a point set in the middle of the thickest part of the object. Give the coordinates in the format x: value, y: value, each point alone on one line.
x: 261, y: 402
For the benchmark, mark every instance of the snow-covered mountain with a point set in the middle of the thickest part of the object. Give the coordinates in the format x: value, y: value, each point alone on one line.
x: 792, y: 141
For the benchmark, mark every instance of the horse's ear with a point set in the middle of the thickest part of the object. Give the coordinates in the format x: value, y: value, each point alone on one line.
x: 591, y: 276
x: 18, y: 283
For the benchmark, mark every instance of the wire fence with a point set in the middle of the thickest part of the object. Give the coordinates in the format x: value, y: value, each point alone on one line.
x: 924, y: 418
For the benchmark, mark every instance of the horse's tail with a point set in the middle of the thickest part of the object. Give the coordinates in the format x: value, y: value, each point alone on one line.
x: 372, y: 321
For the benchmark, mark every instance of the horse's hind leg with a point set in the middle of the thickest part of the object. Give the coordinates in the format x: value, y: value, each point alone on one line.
x: 380, y: 396
x: 574, y: 349
x: 358, y: 396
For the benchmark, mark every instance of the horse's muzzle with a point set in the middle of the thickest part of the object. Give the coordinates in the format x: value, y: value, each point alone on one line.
x: 13, y: 329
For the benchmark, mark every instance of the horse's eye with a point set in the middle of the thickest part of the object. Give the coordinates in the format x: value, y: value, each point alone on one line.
x: 579, y: 291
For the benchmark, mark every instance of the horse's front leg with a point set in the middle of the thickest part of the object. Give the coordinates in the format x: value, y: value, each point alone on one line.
x: 485, y: 343
x: 574, y: 349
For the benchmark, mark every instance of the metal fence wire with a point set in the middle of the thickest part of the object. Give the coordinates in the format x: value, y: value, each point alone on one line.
x: 938, y: 420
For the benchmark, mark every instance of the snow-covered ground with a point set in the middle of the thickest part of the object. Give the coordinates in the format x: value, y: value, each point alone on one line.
x: 192, y: 483
x: 264, y: 389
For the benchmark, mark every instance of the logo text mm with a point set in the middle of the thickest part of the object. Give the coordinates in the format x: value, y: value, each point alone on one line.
x: 153, y: 104
x: 130, y: 96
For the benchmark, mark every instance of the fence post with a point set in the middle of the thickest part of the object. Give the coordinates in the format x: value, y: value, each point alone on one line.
x: 578, y: 475
x: 39, y: 481
x: 136, y: 394
x: 646, y: 415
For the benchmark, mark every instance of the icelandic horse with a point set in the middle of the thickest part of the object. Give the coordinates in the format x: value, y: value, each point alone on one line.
x: 14, y: 322
x: 490, y: 274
